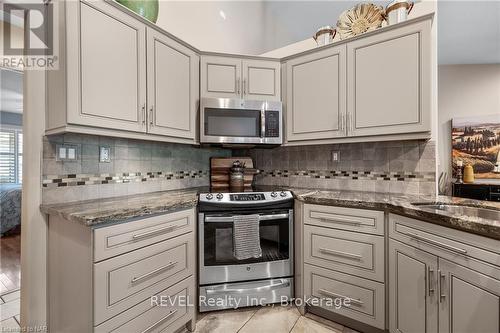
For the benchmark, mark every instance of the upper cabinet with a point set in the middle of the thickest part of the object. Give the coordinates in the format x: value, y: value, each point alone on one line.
x: 226, y: 77
x: 110, y: 83
x: 112, y: 63
x: 316, y: 96
x: 173, y: 94
x: 389, y: 77
x: 372, y: 86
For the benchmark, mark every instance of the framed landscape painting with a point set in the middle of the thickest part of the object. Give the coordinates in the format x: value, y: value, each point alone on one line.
x: 476, y: 141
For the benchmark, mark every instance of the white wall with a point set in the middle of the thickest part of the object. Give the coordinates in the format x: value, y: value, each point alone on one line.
x: 464, y: 91
x: 200, y: 24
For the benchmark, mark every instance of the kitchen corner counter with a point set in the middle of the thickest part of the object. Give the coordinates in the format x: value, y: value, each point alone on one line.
x: 96, y: 212
x: 408, y: 205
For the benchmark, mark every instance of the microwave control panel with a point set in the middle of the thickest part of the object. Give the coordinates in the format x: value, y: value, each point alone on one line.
x: 272, y: 124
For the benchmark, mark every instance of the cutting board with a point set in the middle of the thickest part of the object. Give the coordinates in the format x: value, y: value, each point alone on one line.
x: 219, y: 172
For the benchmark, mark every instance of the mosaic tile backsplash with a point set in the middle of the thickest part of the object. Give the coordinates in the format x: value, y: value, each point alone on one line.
x: 395, y: 167
x: 136, y: 167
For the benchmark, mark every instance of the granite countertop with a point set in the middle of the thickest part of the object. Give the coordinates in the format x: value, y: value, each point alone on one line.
x: 95, y: 212
x: 410, y: 205
x: 98, y: 212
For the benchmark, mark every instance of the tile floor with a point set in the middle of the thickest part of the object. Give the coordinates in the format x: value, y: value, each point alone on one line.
x: 9, y: 311
x: 268, y: 319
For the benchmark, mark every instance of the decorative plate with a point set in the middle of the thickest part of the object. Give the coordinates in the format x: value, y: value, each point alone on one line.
x: 360, y: 19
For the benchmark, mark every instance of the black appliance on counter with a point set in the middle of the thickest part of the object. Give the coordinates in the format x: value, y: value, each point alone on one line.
x: 488, y: 192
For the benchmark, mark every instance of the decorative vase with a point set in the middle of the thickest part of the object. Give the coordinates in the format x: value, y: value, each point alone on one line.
x: 146, y: 8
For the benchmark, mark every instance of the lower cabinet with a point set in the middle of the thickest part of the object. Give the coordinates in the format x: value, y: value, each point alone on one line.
x: 439, y: 287
x: 134, y: 276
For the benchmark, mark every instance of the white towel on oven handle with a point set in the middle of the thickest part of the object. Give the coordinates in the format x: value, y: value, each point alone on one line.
x: 246, y: 237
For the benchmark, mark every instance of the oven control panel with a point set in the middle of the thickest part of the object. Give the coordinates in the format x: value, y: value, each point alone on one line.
x: 245, y: 197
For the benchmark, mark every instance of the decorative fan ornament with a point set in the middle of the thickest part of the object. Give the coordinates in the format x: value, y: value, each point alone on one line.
x: 360, y: 19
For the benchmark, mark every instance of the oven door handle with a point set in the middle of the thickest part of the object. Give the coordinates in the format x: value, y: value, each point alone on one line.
x: 282, y: 284
x: 261, y: 218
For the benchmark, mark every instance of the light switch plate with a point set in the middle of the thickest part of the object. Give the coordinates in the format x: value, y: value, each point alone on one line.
x: 336, y: 156
x: 104, y: 154
x: 67, y: 152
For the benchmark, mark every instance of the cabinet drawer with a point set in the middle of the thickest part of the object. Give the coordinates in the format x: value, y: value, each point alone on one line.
x: 121, y: 238
x: 345, y: 251
x: 123, y: 281
x: 448, y: 243
x: 166, y: 312
x: 361, y: 220
x: 367, y: 298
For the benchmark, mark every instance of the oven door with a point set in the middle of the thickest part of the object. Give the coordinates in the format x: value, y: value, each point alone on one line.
x: 218, y: 263
x: 235, y: 121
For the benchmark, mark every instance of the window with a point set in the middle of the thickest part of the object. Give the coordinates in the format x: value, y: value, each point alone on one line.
x: 11, y: 155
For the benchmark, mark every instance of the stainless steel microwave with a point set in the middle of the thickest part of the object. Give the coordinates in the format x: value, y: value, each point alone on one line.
x: 234, y: 121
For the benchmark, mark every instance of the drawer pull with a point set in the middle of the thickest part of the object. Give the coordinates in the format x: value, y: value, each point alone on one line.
x: 154, y: 232
x: 153, y: 272
x: 335, y: 218
x: 436, y: 243
x: 341, y: 254
x: 170, y: 314
x: 332, y: 294
x: 281, y: 284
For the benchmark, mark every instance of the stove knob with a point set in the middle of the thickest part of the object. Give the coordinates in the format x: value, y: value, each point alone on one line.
x: 274, y: 194
x: 209, y: 196
x: 219, y: 196
x: 283, y: 194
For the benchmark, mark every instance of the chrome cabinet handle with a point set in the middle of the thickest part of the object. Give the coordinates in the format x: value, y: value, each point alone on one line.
x: 261, y: 218
x: 143, y: 114
x: 170, y: 314
x: 282, y: 284
x: 238, y: 85
x: 442, y: 277
x: 340, y: 253
x: 332, y: 294
x: 244, y: 86
x: 436, y: 243
x: 153, y: 232
x: 430, y: 274
x: 151, y: 121
x: 338, y: 219
x: 153, y: 272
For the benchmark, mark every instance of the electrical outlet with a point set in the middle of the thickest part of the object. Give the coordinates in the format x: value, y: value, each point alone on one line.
x: 335, y: 156
x: 104, y: 154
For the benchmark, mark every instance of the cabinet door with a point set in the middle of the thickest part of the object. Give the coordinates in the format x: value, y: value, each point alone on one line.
x: 221, y: 77
x: 316, y: 95
x: 470, y: 300
x: 173, y: 80
x: 389, y: 77
x: 261, y: 80
x: 412, y: 290
x: 112, y: 85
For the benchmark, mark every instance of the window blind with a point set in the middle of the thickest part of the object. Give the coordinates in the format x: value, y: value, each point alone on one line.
x: 10, y: 156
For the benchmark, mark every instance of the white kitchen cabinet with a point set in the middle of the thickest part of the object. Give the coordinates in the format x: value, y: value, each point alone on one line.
x: 173, y: 89
x: 261, y: 80
x: 113, y: 271
x: 108, y: 83
x: 389, y: 81
x: 220, y: 77
x: 316, y: 95
x: 413, y: 306
x: 469, y: 299
x: 445, y: 279
x: 227, y: 77
x: 110, y: 86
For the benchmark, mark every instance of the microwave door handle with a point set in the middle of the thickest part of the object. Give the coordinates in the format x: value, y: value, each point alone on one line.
x: 262, y: 123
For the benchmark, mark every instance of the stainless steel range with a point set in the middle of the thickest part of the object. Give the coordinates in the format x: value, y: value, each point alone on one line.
x: 226, y: 281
